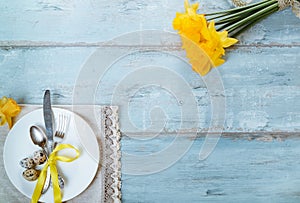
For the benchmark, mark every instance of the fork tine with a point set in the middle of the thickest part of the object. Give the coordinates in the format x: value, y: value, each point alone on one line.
x: 63, y: 121
x: 58, y: 128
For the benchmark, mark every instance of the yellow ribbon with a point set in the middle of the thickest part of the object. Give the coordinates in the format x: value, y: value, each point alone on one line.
x: 53, y: 171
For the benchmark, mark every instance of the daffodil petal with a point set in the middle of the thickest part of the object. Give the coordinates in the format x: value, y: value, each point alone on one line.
x: 219, y: 61
x: 3, y: 101
x: 201, y: 66
x: 2, y: 119
x: 9, y: 122
x: 223, y: 35
x: 229, y: 42
x: 195, y: 6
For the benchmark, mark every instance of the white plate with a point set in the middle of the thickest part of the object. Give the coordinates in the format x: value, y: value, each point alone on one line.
x: 77, y: 174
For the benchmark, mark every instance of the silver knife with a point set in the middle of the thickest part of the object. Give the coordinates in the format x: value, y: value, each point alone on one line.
x: 48, y: 118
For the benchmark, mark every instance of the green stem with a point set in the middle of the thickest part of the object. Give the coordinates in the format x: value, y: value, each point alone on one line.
x: 238, y: 14
x: 227, y: 20
x: 251, y: 17
x: 231, y: 34
x: 240, y: 8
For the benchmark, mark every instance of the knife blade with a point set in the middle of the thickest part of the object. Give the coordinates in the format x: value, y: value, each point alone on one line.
x: 48, y: 119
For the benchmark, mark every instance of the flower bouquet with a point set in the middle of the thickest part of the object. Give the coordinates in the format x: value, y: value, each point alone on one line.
x: 213, y: 32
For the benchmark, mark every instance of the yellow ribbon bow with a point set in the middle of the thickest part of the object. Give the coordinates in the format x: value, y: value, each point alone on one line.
x: 53, y: 171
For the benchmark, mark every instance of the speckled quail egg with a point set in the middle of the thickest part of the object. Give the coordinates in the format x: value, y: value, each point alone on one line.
x: 31, y: 174
x: 39, y: 157
x: 27, y: 163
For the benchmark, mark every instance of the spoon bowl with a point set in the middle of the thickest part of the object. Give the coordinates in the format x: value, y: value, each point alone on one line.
x: 38, y: 137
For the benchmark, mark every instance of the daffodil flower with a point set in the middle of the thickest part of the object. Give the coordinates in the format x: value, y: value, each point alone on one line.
x: 8, y: 109
x: 203, y: 44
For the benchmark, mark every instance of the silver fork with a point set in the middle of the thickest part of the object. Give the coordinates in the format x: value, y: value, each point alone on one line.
x: 63, y: 124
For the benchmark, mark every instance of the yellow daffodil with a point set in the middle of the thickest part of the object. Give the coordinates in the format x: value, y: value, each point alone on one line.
x: 197, y: 35
x: 8, y: 109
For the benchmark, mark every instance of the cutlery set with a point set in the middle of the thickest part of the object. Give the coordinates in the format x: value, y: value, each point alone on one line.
x: 47, y: 141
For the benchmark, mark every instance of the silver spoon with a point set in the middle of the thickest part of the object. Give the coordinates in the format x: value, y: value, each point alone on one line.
x: 39, y: 138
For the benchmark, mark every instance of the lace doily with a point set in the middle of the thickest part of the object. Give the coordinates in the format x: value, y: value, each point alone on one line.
x: 112, y: 163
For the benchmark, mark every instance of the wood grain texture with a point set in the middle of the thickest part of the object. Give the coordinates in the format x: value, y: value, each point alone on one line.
x: 95, y: 21
x: 261, y: 86
x: 237, y: 171
x: 46, y: 43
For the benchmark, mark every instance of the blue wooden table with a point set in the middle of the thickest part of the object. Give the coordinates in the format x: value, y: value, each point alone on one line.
x: 50, y: 43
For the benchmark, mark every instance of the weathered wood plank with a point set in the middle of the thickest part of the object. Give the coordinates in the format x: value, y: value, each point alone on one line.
x: 46, y: 43
x: 237, y: 171
x: 261, y: 85
x: 96, y: 21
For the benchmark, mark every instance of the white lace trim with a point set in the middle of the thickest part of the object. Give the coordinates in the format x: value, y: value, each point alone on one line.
x: 112, y: 163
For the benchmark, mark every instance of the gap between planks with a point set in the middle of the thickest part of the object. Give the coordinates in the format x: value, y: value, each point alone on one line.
x: 176, y: 45
x: 257, y: 136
